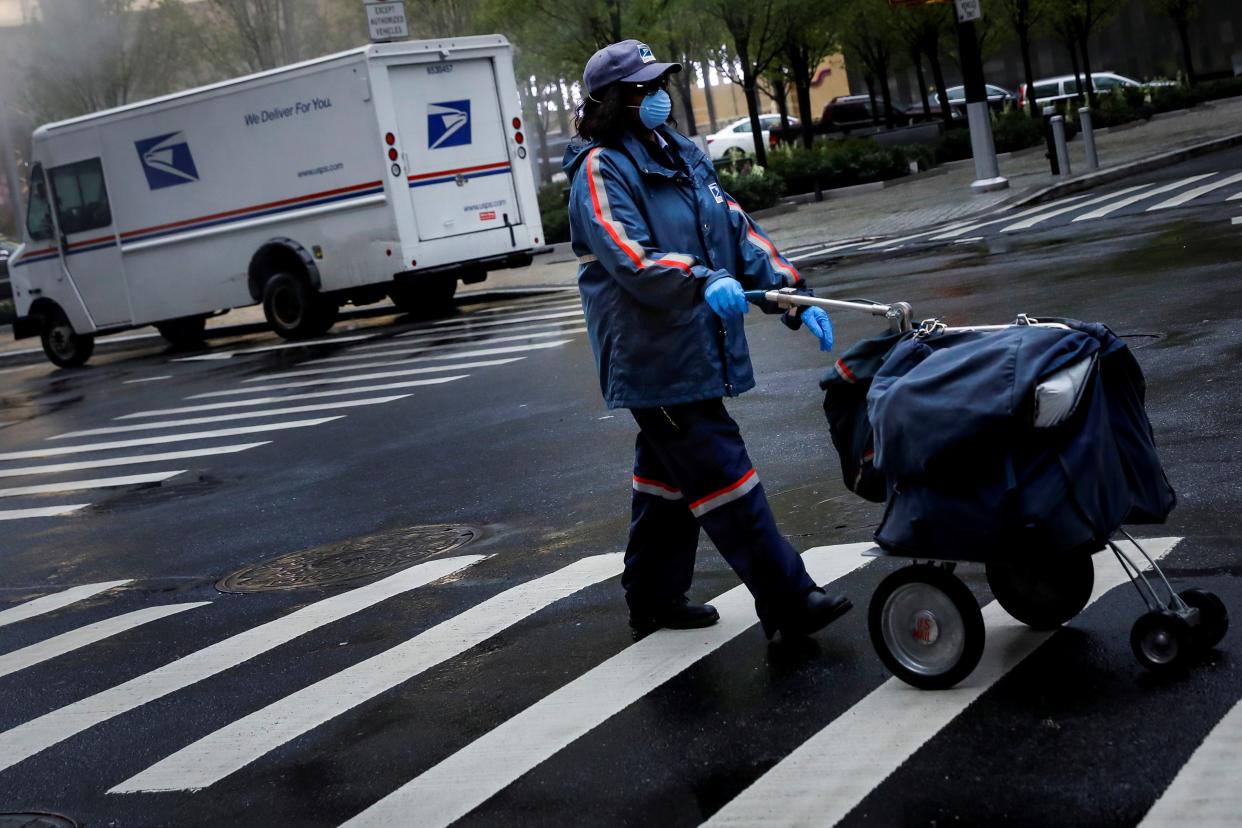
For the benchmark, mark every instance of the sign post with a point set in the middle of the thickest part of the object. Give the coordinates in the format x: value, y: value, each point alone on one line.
x: 386, y: 21
x: 987, y: 172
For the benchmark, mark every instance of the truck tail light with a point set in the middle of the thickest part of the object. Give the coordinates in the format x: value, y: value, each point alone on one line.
x: 517, y: 123
x: 390, y: 139
x: 392, y: 154
x: 519, y: 137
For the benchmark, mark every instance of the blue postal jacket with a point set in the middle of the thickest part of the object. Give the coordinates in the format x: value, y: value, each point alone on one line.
x: 649, y: 240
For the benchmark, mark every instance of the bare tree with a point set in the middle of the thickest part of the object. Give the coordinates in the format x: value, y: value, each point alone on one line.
x: 1181, y: 12
x: 924, y: 29
x: 810, y: 36
x: 1023, y: 17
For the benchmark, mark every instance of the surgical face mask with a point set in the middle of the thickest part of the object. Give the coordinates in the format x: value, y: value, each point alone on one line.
x: 655, y: 109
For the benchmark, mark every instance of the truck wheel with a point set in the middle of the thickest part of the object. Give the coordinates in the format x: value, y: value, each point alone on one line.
x: 185, y: 332
x: 61, y: 345
x: 294, y: 310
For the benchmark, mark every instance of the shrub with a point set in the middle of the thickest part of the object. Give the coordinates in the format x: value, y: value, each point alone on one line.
x: 1169, y: 98
x: 1014, y: 129
x: 7, y: 312
x: 837, y: 163
x: 754, y: 188
x: 954, y: 145
x: 1113, y: 109
x: 1217, y: 89
x: 554, y: 210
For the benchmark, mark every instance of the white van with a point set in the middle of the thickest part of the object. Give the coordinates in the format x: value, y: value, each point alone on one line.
x: 394, y: 170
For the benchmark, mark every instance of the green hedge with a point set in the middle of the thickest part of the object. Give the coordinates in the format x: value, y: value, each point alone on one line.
x: 755, y: 188
x: 840, y: 163
x: 554, y: 210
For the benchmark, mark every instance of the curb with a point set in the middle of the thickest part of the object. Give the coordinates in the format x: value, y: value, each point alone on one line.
x: 1153, y: 162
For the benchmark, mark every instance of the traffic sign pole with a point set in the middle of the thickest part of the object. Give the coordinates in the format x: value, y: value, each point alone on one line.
x: 987, y: 172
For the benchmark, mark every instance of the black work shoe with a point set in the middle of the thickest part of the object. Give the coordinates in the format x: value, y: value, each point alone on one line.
x: 679, y: 615
x: 816, y: 610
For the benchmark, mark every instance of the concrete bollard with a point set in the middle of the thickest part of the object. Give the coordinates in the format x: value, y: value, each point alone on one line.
x: 1088, y: 138
x: 1058, y: 137
x: 1051, y: 154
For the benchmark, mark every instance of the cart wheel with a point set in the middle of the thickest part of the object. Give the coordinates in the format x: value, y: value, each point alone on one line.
x: 1213, y: 617
x: 926, y: 626
x: 1040, y: 594
x: 1162, y: 641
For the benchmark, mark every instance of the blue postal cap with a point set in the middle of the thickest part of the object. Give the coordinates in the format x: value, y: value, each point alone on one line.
x: 629, y: 61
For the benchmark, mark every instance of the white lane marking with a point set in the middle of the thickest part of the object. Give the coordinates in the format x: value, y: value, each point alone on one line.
x: 968, y: 240
x: 413, y: 337
x: 31, y: 737
x: 57, y: 600
x: 1039, y: 208
x: 555, y: 304
x: 167, y: 438
x: 563, y: 308
x: 432, y: 357
x: 224, y: 418
x: 83, y: 636
x: 494, y: 322
x: 421, y: 349
x: 830, y: 773
x: 98, y: 483
x: 301, y: 343
x: 1053, y: 213
x: 57, y: 468
x: 487, y: 765
x: 822, y: 251
x: 1192, y: 194
x: 281, y: 386
x: 336, y: 392
x: 1205, y: 791
x: 231, y: 748
x: 1236, y: 220
x: 955, y: 225
x: 147, y: 379
x: 47, y: 511
x: 130, y: 338
x: 1109, y: 209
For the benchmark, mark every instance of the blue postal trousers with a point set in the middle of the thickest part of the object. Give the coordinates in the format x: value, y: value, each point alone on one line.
x: 691, y: 471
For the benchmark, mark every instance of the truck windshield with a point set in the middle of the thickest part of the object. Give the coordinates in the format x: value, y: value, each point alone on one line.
x: 81, y: 200
x: 38, y: 210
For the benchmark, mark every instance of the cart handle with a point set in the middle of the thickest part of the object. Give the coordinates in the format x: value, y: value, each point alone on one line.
x: 899, y: 314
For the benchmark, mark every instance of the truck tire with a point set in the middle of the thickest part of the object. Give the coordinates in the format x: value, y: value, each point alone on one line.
x: 294, y: 310
x: 185, y: 332
x: 61, y: 345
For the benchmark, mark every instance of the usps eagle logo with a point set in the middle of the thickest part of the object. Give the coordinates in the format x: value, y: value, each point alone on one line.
x: 448, y: 124
x: 166, y: 160
x: 644, y: 52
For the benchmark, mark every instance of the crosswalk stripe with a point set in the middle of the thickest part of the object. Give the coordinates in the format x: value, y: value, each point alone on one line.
x: 281, y: 386
x: 46, y: 511
x: 147, y: 379
x: 315, y: 395
x: 224, y: 418
x: 822, y: 251
x: 559, y: 311
x: 301, y: 343
x: 1109, y: 209
x: 829, y: 774
x: 161, y: 457
x: 167, y: 438
x: 352, y: 356
x: 1040, y: 218
x: 83, y: 636
x: 231, y: 748
x: 1030, y: 211
x: 1192, y: 194
x: 413, y: 337
x: 57, y: 600
x: 886, y: 242
x: 527, y: 305
x: 492, y: 323
x: 36, y: 735
x: 1205, y: 791
x: 366, y: 366
x: 98, y: 483
x: 486, y: 766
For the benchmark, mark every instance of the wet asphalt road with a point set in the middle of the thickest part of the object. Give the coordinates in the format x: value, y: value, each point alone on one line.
x: 524, y: 452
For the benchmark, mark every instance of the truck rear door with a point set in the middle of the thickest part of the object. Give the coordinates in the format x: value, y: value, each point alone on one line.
x: 457, y: 147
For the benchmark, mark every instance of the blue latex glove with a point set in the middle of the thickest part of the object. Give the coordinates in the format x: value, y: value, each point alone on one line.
x: 726, y: 297
x: 818, y: 323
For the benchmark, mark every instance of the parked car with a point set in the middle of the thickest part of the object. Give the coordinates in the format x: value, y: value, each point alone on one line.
x: 998, y: 98
x: 1065, y: 87
x: 737, y: 140
x: 6, y: 250
x: 845, y: 113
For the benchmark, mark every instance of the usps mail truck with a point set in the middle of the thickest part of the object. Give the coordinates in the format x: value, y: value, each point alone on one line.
x: 396, y: 169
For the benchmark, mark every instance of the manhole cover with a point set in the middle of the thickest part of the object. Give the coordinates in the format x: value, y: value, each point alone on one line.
x: 33, y: 820
x: 348, y: 561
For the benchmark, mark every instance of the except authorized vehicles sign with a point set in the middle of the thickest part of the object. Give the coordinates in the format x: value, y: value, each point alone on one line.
x: 386, y: 21
x: 968, y: 10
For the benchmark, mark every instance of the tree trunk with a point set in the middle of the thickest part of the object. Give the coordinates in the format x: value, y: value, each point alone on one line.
x: 1086, y: 69
x: 781, y: 96
x: 707, y: 96
x: 752, y: 107
x: 562, y: 112
x: 875, y: 110
x: 1183, y: 34
x: 684, y: 83
x: 917, y: 58
x: 802, y: 90
x: 1024, y: 44
x: 942, y: 95
x: 1072, y: 45
x: 615, y: 19
x: 887, y: 96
